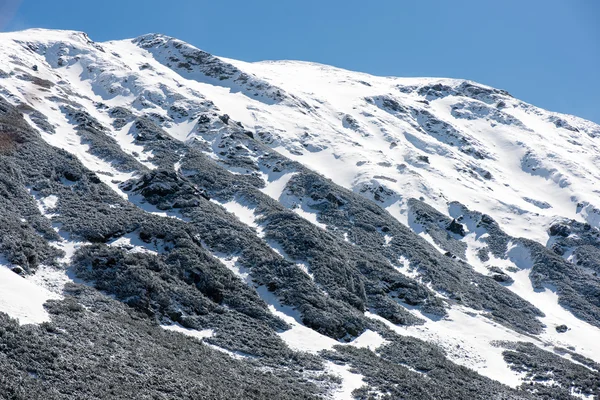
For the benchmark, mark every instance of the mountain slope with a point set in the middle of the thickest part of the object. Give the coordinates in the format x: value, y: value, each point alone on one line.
x: 334, y: 233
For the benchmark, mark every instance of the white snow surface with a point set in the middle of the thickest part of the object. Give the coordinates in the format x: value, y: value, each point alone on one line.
x: 244, y: 212
x: 203, y: 334
x: 22, y: 299
x: 275, y: 188
x: 350, y: 381
x: 334, y: 121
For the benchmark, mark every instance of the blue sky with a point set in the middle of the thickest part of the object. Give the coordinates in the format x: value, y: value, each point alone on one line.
x: 546, y: 52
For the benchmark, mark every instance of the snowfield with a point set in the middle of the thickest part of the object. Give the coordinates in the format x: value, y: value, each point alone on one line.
x: 352, y: 127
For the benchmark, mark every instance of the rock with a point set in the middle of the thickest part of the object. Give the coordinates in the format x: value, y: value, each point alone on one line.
x: 224, y: 118
x: 392, y: 104
x: 486, y: 219
x: 500, y: 276
x: 17, y: 270
x: 560, y: 230
x: 496, y: 270
x: 203, y: 119
x: 335, y: 199
x: 457, y: 228
x: 558, y: 249
x: 562, y: 328
x: 435, y: 91
x: 561, y: 123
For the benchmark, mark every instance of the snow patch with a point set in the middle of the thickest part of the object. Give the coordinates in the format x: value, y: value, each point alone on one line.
x: 274, y: 189
x: 231, y: 262
x: 309, y: 216
x: 132, y: 243
x: 350, y: 380
x: 51, y: 278
x: 469, y: 339
x: 23, y: 299
x: 49, y: 202
x: 203, y: 334
x: 244, y: 212
x: 369, y: 339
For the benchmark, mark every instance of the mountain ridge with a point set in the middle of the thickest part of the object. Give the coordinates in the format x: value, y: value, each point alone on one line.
x: 332, y: 223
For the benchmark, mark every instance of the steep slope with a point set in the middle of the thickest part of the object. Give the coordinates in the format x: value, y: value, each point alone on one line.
x: 334, y: 233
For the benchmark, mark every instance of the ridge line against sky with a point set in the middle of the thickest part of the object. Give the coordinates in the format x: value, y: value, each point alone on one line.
x: 545, y: 52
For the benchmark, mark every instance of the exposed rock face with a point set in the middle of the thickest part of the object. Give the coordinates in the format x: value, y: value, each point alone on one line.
x: 457, y: 228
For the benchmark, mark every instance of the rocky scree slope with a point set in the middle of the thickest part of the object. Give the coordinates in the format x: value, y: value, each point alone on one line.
x: 200, y: 227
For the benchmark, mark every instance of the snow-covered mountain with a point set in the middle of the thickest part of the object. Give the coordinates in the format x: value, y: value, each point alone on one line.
x: 317, y: 232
